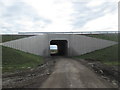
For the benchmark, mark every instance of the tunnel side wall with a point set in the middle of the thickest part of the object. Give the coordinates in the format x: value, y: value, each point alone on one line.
x: 35, y: 44
x: 80, y: 44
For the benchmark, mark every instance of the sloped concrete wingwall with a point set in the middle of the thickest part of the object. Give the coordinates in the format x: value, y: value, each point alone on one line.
x: 80, y: 44
x: 36, y: 45
x: 77, y: 44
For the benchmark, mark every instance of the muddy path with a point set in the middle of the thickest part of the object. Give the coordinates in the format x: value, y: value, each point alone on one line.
x: 57, y: 72
x: 30, y: 78
x: 69, y: 73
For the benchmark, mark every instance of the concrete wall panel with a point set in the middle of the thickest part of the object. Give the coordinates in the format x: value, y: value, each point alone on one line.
x: 80, y: 44
x: 35, y: 44
x: 77, y: 44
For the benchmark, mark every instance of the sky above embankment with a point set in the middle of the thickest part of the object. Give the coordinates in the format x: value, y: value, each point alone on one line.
x: 58, y: 15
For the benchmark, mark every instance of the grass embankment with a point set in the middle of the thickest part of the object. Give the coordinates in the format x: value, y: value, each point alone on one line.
x: 109, y: 55
x: 13, y: 60
x: 111, y: 37
x: 13, y: 37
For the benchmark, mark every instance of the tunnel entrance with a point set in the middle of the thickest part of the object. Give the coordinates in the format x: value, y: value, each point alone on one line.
x: 62, y: 47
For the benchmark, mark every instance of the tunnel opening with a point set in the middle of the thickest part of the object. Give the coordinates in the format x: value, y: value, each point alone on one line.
x: 62, y: 48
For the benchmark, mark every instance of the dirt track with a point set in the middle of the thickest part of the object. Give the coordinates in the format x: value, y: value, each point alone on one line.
x: 57, y: 72
x: 69, y: 73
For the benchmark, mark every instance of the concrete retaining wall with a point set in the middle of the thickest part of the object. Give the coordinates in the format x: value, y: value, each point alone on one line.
x: 77, y: 44
x: 35, y: 44
x: 80, y: 44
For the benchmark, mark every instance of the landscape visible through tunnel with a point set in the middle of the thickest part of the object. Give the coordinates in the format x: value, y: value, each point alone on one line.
x: 58, y: 47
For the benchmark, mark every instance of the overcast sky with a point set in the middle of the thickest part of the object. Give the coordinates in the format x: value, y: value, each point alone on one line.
x: 58, y: 15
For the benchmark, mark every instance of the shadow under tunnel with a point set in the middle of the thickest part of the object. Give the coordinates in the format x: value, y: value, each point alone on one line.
x: 62, y: 47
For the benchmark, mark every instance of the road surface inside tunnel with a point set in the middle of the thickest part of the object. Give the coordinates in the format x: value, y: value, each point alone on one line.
x: 69, y: 73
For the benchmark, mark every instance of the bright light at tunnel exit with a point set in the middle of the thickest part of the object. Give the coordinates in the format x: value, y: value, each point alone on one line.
x: 53, y: 47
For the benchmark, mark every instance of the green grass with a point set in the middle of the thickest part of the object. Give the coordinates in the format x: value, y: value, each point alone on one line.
x: 109, y: 55
x: 112, y: 37
x: 13, y: 37
x: 13, y: 60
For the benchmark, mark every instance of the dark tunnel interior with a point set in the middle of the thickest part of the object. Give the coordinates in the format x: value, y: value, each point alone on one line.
x: 62, y: 47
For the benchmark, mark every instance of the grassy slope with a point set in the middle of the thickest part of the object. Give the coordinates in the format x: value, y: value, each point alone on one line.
x: 13, y: 37
x: 13, y: 59
x: 112, y: 37
x: 107, y: 55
